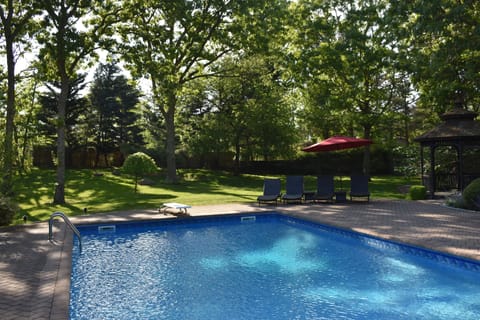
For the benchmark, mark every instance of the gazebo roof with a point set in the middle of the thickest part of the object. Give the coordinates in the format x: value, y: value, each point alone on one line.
x: 458, y: 125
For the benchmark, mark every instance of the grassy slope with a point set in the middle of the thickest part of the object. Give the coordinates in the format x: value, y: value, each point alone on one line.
x: 197, y: 187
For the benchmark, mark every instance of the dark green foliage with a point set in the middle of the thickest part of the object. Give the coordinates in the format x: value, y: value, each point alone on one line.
x: 76, y: 110
x: 471, y: 195
x: 406, y: 159
x: 345, y: 163
x: 7, y: 210
x: 417, y: 192
x: 445, y: 44
x: 246, y: 114
x: 138, y: 165
x: 115, y: 120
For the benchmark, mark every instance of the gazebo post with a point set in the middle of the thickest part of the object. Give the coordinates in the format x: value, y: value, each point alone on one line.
x: 460, y: 179
x: 422, y: 162
x: 433, y: 178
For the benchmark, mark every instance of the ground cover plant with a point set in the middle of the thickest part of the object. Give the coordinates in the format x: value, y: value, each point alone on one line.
x: 110, y: 192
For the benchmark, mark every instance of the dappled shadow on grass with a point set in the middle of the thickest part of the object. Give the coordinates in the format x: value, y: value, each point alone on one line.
x: 83, y: 190
x: 32, y: 188
x: 220, y: 178
x: 108, y: 192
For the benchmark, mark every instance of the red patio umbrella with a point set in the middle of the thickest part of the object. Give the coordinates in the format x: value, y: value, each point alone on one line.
x: 337, y: 143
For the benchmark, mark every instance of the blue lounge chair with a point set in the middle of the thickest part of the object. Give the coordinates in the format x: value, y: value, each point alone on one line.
x: 359, y: 187
x: 294, y: 189
x: 271, y: 191
x: 325, y: 188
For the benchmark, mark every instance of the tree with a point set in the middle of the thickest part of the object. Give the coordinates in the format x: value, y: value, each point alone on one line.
x: 444, y: 46
x: 138, y: 165
x: 26, y: 130
x: 171, y: 43
x: 175, y: 42
x: 75, y: 107
x: 348, y: 53
x: 16, y: 24
x: 247, y: 112
x: 69, y: 40
x: 114, y: 101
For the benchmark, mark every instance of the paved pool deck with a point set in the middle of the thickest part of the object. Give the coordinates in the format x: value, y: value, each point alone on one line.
x: 35, y: 273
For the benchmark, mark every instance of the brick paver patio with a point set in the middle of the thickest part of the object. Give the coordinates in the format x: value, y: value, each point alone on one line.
x: 35, y: 274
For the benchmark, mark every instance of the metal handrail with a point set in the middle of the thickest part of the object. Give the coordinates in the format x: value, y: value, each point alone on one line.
x: 68, y: 222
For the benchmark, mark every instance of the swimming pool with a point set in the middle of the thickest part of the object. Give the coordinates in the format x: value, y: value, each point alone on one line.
x: 265, y: 266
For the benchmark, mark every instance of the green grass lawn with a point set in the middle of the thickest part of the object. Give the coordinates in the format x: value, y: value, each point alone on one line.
x: 108, y: 192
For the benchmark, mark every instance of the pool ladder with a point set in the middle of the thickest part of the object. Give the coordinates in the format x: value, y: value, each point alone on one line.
x: 68, y: 222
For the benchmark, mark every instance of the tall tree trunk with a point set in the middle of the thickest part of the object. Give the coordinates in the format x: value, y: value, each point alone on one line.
x: 7, y: 179
x: 59, y: 197
x: 170, y: 126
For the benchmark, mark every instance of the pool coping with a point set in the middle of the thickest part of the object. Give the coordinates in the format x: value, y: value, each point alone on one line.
x: 61, y: 298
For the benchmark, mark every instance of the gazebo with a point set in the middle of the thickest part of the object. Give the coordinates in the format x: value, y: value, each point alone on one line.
x: 461, y: 131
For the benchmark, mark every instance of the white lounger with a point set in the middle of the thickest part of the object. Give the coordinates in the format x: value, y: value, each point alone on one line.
x: 173, y: 205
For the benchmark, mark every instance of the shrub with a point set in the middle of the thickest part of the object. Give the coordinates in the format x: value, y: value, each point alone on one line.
x: 471, y: 195
x: 7, y: 210
x: 417, y: 192
x: 138, y: 165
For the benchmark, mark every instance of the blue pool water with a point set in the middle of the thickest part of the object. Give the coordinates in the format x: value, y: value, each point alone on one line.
x: 275, y: 267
